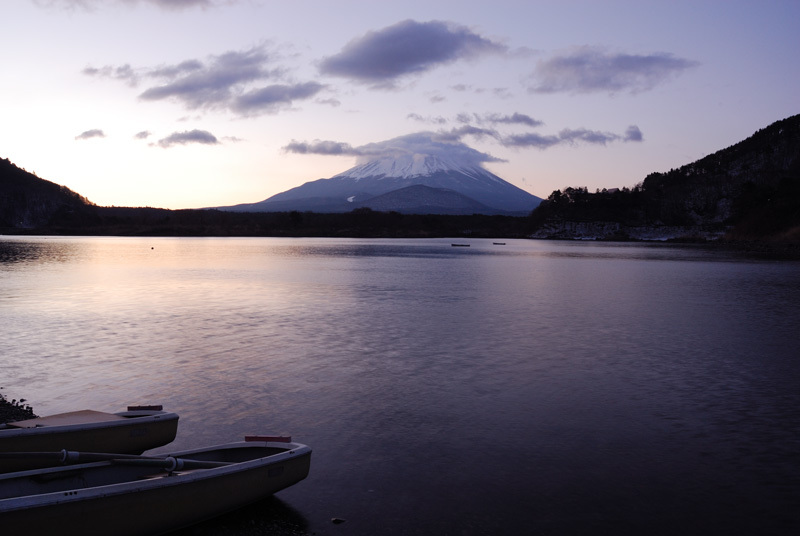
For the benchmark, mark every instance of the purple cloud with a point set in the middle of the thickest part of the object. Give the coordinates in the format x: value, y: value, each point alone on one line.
x: 499, y: 119
x: 197, y: 85
x: 231, y: 81
x: 408, y: 47
x: 449, y: 142
x: 320, y: 147
x: 530, y: 139
x: 271, y: 98
x: 189, y: 136
x: 591, y: 70
x: 571, y: 136
x: 585, y: 135
x: 416, y: 144
x: 632, y: 133
x: 172, y: 72
x: 456, y: 134
x: 89, y: 134
x: 124, y: 73
x: 514, y: 119
x: 437, y: 120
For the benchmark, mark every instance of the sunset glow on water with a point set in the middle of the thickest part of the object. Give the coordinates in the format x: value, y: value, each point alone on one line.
x: 549, y: 387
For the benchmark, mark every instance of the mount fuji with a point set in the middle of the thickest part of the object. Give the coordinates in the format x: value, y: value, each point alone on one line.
x: 413, y: 183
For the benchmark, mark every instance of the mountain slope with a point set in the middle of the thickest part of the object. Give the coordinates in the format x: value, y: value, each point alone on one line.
x: 751, y: 190
x: 421, y: 199
x: 27, y: 202
x: 358, y: 185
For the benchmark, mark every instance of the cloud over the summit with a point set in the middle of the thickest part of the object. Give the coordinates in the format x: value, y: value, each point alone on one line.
x: 202, y: 137
x: 408, y: 47
x: 419, y: 144
x: 449, y: 142
x: 592, y: 70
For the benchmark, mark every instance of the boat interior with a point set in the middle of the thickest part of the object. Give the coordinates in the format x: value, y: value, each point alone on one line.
x: 70, y: 478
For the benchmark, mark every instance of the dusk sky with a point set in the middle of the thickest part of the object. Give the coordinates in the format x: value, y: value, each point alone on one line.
x: 196, y: 103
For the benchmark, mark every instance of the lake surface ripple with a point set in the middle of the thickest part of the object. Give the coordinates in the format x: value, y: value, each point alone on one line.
x: 527, y: 388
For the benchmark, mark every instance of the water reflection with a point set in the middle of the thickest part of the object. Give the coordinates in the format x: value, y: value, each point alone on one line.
x: 37, y: 250
x: 535, y: 387
x: 268, y: 516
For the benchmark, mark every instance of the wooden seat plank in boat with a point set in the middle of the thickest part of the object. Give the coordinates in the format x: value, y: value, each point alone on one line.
x: 85, y: 416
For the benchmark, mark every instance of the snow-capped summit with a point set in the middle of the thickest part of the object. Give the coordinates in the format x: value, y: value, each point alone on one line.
x: 408, y: 166
x: 444, y: 168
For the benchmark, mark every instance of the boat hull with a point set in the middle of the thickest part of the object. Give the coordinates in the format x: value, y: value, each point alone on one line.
x: 129, y: 432
x: 149, y: 504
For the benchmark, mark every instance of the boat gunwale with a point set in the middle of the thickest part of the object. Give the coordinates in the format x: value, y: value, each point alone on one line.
x: 291, y: 452
x: 132, y: 418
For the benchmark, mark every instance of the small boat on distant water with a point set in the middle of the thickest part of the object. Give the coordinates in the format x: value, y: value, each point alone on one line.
x: 499, y: 243
x: 130, y: 432
x: 129, y: 495
x: 460, y: 245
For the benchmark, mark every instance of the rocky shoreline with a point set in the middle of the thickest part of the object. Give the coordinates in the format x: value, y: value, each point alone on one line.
x: 16, y: 410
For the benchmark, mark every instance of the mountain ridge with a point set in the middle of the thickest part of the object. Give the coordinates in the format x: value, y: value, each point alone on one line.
x: 748, y: 193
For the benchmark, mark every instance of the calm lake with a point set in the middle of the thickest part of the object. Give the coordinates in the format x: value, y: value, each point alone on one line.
x: 526, y: 388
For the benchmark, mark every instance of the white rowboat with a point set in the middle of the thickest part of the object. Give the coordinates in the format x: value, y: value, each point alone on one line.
x: 143, y: 495
x: 132, y: 432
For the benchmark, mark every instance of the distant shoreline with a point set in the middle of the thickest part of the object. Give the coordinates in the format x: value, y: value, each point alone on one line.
x: 766, y: 249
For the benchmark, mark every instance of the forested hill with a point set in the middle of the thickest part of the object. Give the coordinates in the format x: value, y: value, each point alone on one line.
x: 28, y: 202
x: 749, y: 191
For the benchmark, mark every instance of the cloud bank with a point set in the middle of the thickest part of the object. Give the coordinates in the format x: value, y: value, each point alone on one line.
x: 450, y: 142
x: 381, y: 57
x: 489, y: 125
x: 572, y: 137
x: 243, y: 82
x: 591, y: 70
x: 418, y: 144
